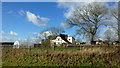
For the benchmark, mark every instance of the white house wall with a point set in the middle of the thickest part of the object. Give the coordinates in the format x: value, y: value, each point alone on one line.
x: 59, y: 40
x: 70, y: 39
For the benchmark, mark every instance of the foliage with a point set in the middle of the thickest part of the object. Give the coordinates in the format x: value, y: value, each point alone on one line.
x: 52, y: 37
x: 46, y: 43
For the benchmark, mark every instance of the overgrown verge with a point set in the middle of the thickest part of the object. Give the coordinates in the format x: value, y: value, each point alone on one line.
x: 59, y: 57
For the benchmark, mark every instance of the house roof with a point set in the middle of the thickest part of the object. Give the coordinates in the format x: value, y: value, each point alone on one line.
x: 64, y: 37
x: 72, y: 37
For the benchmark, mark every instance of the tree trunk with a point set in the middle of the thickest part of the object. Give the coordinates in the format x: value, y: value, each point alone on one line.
x: 119, y: 22
x: 92, y: 39
x: 119, y: 32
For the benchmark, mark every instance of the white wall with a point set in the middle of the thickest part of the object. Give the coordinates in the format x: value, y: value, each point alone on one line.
x: 71, y: 39
x: 59, y: 40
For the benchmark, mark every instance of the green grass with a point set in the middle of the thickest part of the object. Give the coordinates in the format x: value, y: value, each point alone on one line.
x: 60, y: 56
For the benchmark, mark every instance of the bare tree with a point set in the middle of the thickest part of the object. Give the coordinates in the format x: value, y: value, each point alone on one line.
x: 54, y: 30
x: 28, y: 42
x: 116, y: 14
x: 42, y: 36
x: 89, y: 18
x: 38, y: 40
x: 110, y: 35
x: 78, y: 40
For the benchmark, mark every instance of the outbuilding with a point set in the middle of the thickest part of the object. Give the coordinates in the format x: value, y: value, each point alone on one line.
x: 16, y: 44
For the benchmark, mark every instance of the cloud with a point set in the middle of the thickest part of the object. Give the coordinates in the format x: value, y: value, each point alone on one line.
x: 87, y: 0
x: 44, y: 19
x: 5, y: 38
x: 16, y: 13
x: 48, y: 32
x: 2, y: 32
x: 34, y: 33
x: 10, y: 12
x: 21, y: 12
x: 8, y: 39
x: 64, y: 25
x: 45, y: 34
x: 13, y: 33
x: 57, y: 0
x: 37, y: 20
x: 71, y: 5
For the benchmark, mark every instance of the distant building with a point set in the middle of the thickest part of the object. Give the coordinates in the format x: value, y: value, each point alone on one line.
x: 24, y: 44
x: 98, y: 42
x: 63, y: 39
x: 82, y: 42
x: 37, y: 45
x: 6, y: 44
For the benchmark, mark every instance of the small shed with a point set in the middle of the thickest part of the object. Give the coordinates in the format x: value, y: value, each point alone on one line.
x: 16, y: 44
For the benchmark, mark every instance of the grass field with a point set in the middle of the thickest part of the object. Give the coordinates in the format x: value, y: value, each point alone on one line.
x: 59, y: 56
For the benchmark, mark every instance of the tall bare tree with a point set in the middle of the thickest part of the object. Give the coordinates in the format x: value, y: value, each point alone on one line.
x: 54, y: 30
x: 44, y: 34
x: 116, y: 14
x: 108, y: 35
x: 89, y: 18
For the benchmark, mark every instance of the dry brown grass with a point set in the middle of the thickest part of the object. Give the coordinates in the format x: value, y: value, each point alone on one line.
x: 48, y: 57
